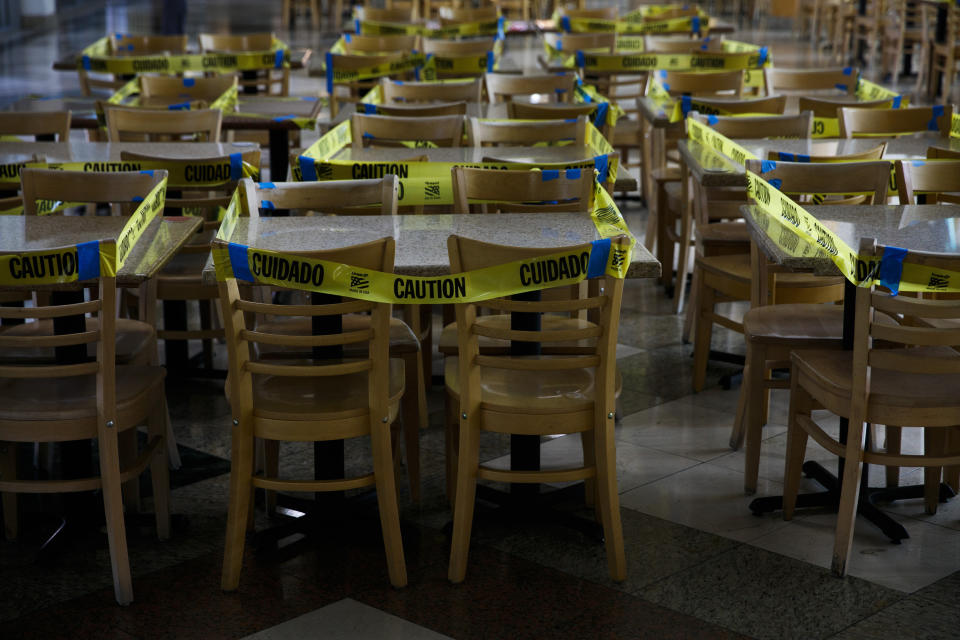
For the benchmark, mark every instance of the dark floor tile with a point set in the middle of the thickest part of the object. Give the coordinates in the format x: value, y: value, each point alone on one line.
x: 914, y: 617
x: 945, y: 591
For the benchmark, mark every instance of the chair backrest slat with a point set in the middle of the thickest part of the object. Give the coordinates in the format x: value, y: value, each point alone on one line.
x: 504, y: 86
x: 484, y: 133
x: 30, y: 123
x: 376, y: 130
x: 518, y: 186
x: 932, y: 178
x: 855, y: 121
x: 327, y: 196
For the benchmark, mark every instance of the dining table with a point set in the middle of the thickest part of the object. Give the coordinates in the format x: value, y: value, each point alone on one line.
x: 929, y: 228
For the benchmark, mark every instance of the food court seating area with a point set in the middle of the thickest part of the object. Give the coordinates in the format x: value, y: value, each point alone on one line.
x: 481, y: 319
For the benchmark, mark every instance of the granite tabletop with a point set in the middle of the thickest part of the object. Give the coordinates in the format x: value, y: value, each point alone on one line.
x: 933, y: 228
x: 422, y: 239
x: 158, y: 244
x: 653, y: 112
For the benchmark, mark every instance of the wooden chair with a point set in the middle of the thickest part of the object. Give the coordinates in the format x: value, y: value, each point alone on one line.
x: 944, y: 57
x: 914, y: 384
x: 682, y: 45
x: 470, y: 91
x: 775, y: 328
x: 203, y: 91
x: 423, y: 110
x: 572, y: 189
x: 826, y: 108
x: 934, y: 179
x: 779, y: 80
x: 450, y: 54
x: 569, y: 43
x: 942, y: 154
x: 264, y: 81
x: 600, y: 13
x: 380, y: 44
x: 874, y: 153
x: 503, y: 87
x: 93, y: 399
x: 28, y: 123
x: 854, y: 122
x: 457, y: 15
x: 321, y: 398
x: 180, y: 279
x: 483, y: 133
x: 357, y: 88
x: 291, y: 8
x: 129, y: 45
x: 693, y: 83
x: 904, y: 35
x: 728, y: 277
x: 373, y: 130
x: 869, y: 27
x: 395, y: 15
x: 410, y: 337
x: 124, y: 124
x: 551, y: 111
x: 506, y: 394
x: 517, y: 9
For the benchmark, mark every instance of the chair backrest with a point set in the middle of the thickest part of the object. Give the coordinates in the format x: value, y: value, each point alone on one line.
x: 380, y: 44
x: 265, y: 81
x: 157, y: 124
x: 470, y: 91
x: 235, y: 42
x: 123, y: 188
x: 943, y: 154
x: 553, y: 111
x: 352, y: 62
x: 931, y: 178
x: 207, y: 89
x: 870, y: 178
x: 571, y: 42
x: 692, y: 83
x: 504, y: 86
x: 29, y: 123
x: 855, y: 122
x: 774, y: 105
x: 780, y: 80
x: 550, y: 189
x: 798, y: 126
x: 423, y: 110
x: 374, y: 130
x: 682, y: 45
x: 826, y: 108
x: 485, y: 133
x: 404, y: 15
x: 452, y: 15
x: 328, y: 196
x: 466, y: 255
x: 604, y: 13
x: 874, y: 153
x: 125, y: 44
x: 448, y: 48
x: 324, y: 361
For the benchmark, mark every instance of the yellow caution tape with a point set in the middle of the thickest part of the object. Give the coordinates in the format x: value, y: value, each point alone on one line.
x: 138, y: 222
x: 181, y: 173
x: 482, y: 28
x: 955, y: 126
x: 690, y: 24
x: 97, y: 58
x: 593, y: 62
x: 77, y: 263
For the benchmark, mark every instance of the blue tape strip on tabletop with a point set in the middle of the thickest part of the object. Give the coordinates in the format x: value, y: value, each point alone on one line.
x: 767, y: 165
x: 180, y: 106
x: 842, y: 87
x: 936, y: 111
x: 776, y: 183
x: 712, y: 120
x: 602, y: 165
x: 581, y: 59
x: 369, y: 108
x: 146, y: 172
x: 489, y: 61
x: 565, y: 23
x: 695, y: 24
x: 599, y: 252
x: 896, y: 102
x: 685, y: 104
x: 308, y: 169
x: 848, y: 71
x: 573, y: 174
x: 309, y: 98
x: 236, y: 166
x: 266, y: 185
x: 189, y: 82
x: 559, y: 45
x: 284, y: 118
x: 918, y: 163
x: 549, y: 174
x: 85, y: 62
x: 88, y: 260
x: 600, y: 118
x: 266, y: 204
x: 891, y: 268
x: 329, y: 61
x: 278, y: 59
x: 238, y: 262
x: 346, y: 37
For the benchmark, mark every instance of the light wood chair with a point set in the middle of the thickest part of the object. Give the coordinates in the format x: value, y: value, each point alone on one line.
x: 933, y: 179
x: 484, y: 133
x: 398, y: 15
x: 354, y: 90
x: 914, y: 384
x: 451, y: 48
x: 510, y: 394
x: 28, y: 123
x: 291, y: 9
x: 556, y: 111
x: 693, y: 83
x: 93, y: 399
x: 423, y: 110
x: 129, y: 45
x: 780, y: 80
x: 569, y: 190
x: 380, y: 44
x: 773, y: 330
x: 374, y: 130
x: 473, y: 53
x: 569, y: 43
x: 869, y: 27
x: 682, y: 45
x: 854, y: 122
x: 461, y: 15
x: 325, y: 398
x: 942, y: 154
x: 904, y: 35
x: 393, y: 92
x: 517, y: 9
x: 410, y: 337
x: 826, y: 108
x: 944, y: 57
x: 503, y: 87
x: 125, y: 124
x: 202, y: 91
x: 268, y: 80
x: 874, y: 153
x: 721, y: 278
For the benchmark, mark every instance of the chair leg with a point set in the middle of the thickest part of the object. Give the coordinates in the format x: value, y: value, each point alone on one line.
x: 892, y: 436
x: 160, y: 470
x: 206, y: 323
x: 702, y: 335
x: 690, y: 315
x: 387, y: 502
x: 796, y: 448
x: 410, y: 407
x: 951, y: 475
x: 113, y: 511
x: 464, y: 499
x: 754, y: 388
x: 608, y: 499
x: 8, y: 471
x: 849, y: 496
x: 738, y: 432
x: 271, y: 469
x: 127, y: 442
x: 650, y: 234
x: 238, y: 509
x: 173, y: 453
x: 934, y: 443
x: 589, y: 460
x: 315, y: 14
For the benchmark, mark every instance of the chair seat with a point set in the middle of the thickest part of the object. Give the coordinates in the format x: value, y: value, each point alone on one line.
x: 539, y: 392
x: 493, y: 346
x: 309, y: 398
x: 737, y: 266
x: 132, y: 337
x: 402, y: 338
x: 796, y: 323
x: 831, y: 372
x: 52, y: 399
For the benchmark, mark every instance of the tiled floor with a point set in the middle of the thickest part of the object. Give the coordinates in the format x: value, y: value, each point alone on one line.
x: 699, y: 563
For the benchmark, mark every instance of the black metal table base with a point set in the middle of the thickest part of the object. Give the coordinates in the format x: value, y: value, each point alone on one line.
x: 867, y: 508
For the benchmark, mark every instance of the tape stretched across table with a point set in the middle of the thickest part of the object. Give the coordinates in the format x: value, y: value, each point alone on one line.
x: 97, y: 58
x: 181, y: 173
x: 481, y: 28
x: 226, y: 102
x: 777, y: 207
x: 77, y: 263
x: 138, y: 222
x: 690, y: 24
x: 636, y: 62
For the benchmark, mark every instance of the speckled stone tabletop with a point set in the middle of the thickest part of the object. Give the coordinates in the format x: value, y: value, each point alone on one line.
x: 158, y: 244
x: 934, y: 228
x: 422, y: 240
x: 13, y: 152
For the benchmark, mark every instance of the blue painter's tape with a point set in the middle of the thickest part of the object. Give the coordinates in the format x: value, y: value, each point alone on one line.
x: 397, y: 81
x: 560, y: 90
x: 918, y: 163
x: 891, y: 268
x: 238, y: 262
x: 763, y: 56
x: 329, y: 61
x: 685, y: 104
x: 356, y: 26
x: 599, y: 252
x: 802, y: 158
x: 663, y: 74
x: 236, y: 166
x: 88, y: 260
x: 842, y: 87
x: 767, y: 165
x: 266, y: 204
x: 666, y: 87
x: 278, y: 59
x: 848, y: 71
x: 284, y: 118
x: 573, y: 174
x: 489, y: 61
x: 136, y: 198
x: 266, y: 185
x: 369, y: 108
x: 118, y: 35
x: 129, y: 47
x: 179, y: 106
x: 936, y: 111
x: 776, y: 183
x: 189, y: 82
x: 501, y: 33
x: 581, y: 59
x: 565, y: 23
x: 896, y: 102
x: 549, y: 174
x: 309, y: 98
x: 559, y: 46
x: 786, y: 157
x: 85, y: 61
x: 346, y: 36
x: 146, y: 172
x: 712, y: 120
x: 308, y: 169
x: 602, y: 165
x: 570, y: 120
x: 368, y: 136
x: 695, y: 24
x: 600, y: 118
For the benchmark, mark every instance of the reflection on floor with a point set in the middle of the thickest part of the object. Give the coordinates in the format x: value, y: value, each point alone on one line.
x: 700, y: 564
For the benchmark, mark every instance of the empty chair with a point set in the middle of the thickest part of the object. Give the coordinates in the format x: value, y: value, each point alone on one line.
x: 129, y: 45
x: 454, y: 15
x: 481, y: 133
x: 155, y: 124
x: 933, y: 179
x: 692, y: 83
x: 426, y: 110
x: 505, y: 86
x: 41, y: 125
x: 268, y: 80
x: 519, y: 190
x: 374, y: 130
x: 854, y: 122
x: 201, y: 92
x: 352, y: 89
x: 468, y: 91
x: 557, y: 111
x: 397, y: 15
x: 780, y: 80
x: 569, y: 43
